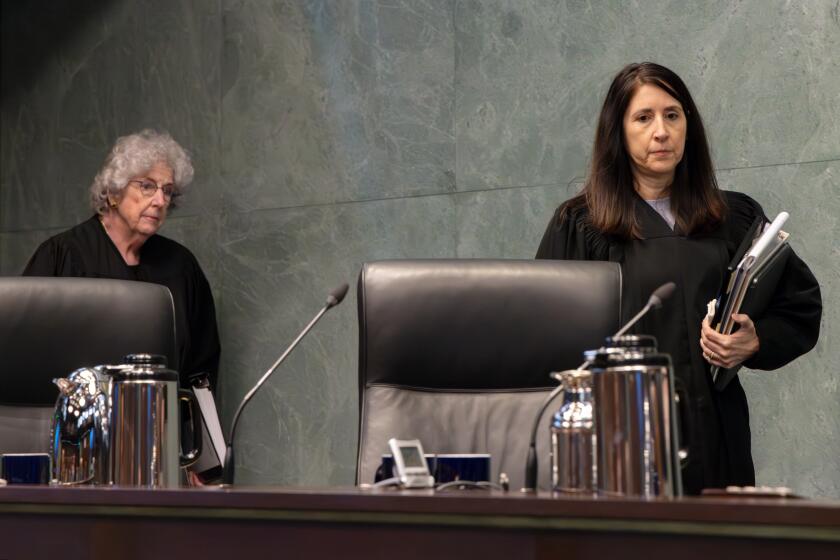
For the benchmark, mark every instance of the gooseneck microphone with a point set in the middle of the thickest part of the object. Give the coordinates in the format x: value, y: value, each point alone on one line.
x: 334, y: 298
x: 659, y: 295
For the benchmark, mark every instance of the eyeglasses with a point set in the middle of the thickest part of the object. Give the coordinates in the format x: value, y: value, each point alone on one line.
x: 148, y: 188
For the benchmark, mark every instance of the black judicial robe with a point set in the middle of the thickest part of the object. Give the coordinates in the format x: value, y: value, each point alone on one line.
x: 719, y: 448
x: 86, y: 250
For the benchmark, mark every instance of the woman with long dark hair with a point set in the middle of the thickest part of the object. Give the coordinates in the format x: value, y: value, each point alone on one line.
x: 651, y: 203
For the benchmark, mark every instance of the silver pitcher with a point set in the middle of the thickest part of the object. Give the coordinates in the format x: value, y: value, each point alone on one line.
x: 573, y: 439
x: 80, y: 435
x: 145, y: 424
x: 637, y: 448
x: 616, y: 431
x: 120, y: 425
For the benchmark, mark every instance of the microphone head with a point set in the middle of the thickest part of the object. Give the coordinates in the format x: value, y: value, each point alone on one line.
x: 661, y: 293
x: 337, y: 295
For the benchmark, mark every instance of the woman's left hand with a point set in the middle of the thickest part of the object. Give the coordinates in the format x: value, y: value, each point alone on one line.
x: 730, y: 350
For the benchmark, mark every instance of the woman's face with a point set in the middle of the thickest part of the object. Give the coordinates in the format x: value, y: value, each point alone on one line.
x: 654, y: 133
x: 143, y: 203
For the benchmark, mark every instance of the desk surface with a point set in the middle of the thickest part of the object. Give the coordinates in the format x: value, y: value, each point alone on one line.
x: 261, y: 519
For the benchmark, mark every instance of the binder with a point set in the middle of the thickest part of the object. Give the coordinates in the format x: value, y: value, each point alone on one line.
x: 750, y: 238
x: 755, y: 276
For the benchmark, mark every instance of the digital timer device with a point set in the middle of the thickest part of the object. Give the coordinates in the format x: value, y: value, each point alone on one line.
x: 410, y: 463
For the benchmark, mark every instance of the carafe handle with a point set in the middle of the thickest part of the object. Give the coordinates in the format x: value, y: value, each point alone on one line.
x: 188, y: 459
x: 685, y: 421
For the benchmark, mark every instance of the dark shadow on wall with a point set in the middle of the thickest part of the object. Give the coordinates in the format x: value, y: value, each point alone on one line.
x: 32, y: 32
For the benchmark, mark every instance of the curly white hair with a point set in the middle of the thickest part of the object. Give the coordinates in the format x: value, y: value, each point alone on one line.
x: 134, y: 155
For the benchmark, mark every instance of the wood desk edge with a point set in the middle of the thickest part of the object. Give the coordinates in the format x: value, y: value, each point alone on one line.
x: 737, y: 517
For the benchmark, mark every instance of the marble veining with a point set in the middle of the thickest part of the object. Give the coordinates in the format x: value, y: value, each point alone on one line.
x: 337, y: 101
x: 122, y: 69
x: 762, y: 73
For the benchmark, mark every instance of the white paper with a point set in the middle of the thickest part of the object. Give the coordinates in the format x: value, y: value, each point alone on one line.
x: 211, y: 420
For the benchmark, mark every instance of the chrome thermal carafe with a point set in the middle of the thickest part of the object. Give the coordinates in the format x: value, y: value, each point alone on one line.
x: 637, y: 450
x: 145, y: 424
x: 573, y: 440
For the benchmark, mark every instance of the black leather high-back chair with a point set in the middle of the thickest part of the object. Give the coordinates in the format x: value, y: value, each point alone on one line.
x: 51, y: 326
x: 457, y: 353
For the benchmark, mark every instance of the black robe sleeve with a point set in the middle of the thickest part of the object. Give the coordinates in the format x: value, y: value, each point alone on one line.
x: 570, y: 236
x: 52, y: 259
x: 790, y: 326
x: 205, y: 350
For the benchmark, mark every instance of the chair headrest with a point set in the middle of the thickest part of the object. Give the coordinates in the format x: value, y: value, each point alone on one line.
x: 481, y: 324
x: 51, y: 326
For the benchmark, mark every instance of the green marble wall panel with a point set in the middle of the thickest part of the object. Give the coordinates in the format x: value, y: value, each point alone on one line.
x: 336, y: 101
x: 795, y: 411
x: 277, y: 267
x: 17, y: 247
x: 530, y: 78
x: 119, y: 68
x: 506, y: 223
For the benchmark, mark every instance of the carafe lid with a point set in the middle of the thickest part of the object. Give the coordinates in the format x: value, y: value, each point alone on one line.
x: 150, y: 367
x: 643, y: 342
x: 145, y: 359
x: 627, y: 350
x: 605, y: 358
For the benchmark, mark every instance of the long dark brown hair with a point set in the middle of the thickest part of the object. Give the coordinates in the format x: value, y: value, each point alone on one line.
x: 609, y: 194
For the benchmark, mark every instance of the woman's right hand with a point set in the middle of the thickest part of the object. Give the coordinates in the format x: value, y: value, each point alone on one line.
x: 729, y: 350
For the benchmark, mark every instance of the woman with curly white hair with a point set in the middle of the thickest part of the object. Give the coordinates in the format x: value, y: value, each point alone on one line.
x: 132, y: 195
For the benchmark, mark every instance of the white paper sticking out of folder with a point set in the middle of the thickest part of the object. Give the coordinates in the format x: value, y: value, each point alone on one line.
x: 756, y: 257
x: 211, y: 421
x: 760, y: 247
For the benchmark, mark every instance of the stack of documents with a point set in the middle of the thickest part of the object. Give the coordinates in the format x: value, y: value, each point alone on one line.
x: 756, y: 271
